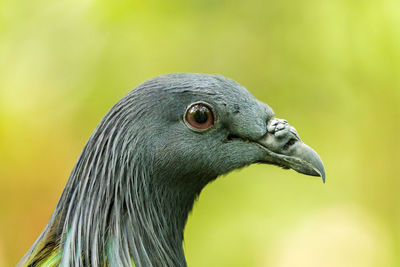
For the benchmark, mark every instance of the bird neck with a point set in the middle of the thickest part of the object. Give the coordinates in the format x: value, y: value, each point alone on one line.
x: 156, y: 224
x: 119, y: 208
x: 135, y: 220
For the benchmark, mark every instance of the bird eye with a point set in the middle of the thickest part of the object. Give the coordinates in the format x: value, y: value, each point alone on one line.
x: 199, y: 116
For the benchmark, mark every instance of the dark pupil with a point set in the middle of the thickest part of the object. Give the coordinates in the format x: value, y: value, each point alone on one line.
x: 200, y: 115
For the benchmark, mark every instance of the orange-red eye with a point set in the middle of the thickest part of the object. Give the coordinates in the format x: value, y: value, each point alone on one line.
x: 199, y: 116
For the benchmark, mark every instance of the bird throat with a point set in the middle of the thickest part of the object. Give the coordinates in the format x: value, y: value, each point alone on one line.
x: 158, y: 225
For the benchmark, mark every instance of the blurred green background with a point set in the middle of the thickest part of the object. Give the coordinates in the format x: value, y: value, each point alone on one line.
x: 331, y: 68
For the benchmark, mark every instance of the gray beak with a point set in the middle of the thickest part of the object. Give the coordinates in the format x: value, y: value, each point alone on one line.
x: 284, y: 147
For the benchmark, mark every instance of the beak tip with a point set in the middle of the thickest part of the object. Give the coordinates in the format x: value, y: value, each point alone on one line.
x: 321, y: 172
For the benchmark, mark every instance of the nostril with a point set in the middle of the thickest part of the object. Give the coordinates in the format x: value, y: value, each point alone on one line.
x: 280, y: 126
x: 289, y: 143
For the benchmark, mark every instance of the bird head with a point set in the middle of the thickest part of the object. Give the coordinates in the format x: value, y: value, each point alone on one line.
x: 201, y: 126
x: 129, y: 195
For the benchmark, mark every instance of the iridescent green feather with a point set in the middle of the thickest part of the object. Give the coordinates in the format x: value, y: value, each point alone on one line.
x: 52, y: 261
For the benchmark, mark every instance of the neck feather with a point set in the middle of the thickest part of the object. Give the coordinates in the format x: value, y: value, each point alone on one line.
x: 116, y: 211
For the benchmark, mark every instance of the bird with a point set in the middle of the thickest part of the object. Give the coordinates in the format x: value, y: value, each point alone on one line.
x: 129, y: 195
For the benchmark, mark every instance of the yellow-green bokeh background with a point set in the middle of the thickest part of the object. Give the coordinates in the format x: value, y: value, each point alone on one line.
x: 331, y: 68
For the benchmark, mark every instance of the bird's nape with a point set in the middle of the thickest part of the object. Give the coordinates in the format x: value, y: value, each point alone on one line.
x: 127, y: 199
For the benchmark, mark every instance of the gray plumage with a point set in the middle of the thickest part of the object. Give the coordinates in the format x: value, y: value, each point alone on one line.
x: 129, y: 194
